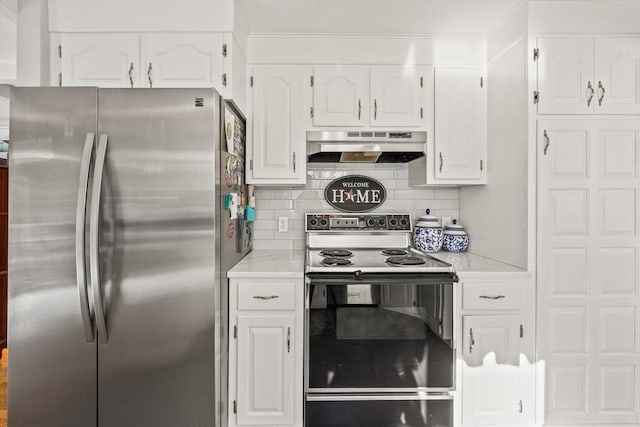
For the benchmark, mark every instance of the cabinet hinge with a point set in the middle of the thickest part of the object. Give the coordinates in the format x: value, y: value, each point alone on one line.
x: 520, y: 406
x: 311, y: 81
x: 224, y: 79
x: 536, y: 96
x: 60, y: 79
x: 224, y: 50
x: 59, y: 51
x: 421, y: 113
x: 235, y: 407
x: 251, y: 81
x: 421, y: 81
x: 235, y: 331
x: 311, y: 112
x: 536, y: 53
x: 251, y: 164
x: 521, y: 331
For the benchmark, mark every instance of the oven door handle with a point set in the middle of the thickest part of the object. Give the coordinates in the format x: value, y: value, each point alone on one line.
x: 385, y: 279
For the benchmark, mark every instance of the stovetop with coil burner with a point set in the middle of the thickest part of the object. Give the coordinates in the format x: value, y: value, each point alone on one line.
x: 366, y: 243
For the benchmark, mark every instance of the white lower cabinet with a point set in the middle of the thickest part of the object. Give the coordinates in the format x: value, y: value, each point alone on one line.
x: 265, y: 352
x: 491, y: 348
x: 495, y: 388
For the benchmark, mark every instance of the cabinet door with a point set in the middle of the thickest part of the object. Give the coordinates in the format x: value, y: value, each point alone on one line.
x: 565, y: 75
x: 618, y: 75
x: 588, y: 260
x: 265, y: 370
x: 460, y: 124
x: 101, y: 59
x: 277, y: 154
x: 340, y: 96
x: 397, y: 96
x: 491, y: 370
x: 183, y: 60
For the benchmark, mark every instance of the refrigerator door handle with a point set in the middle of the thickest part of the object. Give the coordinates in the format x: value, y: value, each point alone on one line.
x: 81, y: 216
x: 94, y: 230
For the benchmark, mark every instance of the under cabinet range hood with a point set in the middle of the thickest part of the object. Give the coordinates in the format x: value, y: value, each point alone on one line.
x: 365, y: 146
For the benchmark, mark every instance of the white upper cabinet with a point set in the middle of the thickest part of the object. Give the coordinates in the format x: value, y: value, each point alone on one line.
x: 589, y: 75
x: 397, y: 96
x: 340, y: 96
x: 565, y: 76
x: 276, y: 149
x: 140, y: 60
x: 182, y: 60
x: 617, y: 68
x: 385, y: 96
x: 105, y: 60
x: 460, y: 124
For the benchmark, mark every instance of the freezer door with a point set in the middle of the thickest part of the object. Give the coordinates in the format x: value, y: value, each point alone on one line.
x: 157, y: 257
x: 52, y: 374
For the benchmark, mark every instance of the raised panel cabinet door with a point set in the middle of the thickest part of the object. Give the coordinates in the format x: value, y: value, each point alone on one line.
x: 340, y: 96
x: 491, y: 370
x: 460, y: 123
x: 398, y: 96
x: 588, y: 259
x: 278, y: 145
x: 100, y: 59
x: 617, y: 72
x: 565, y: 76
x: 265, y: 370
x: 182, y: 60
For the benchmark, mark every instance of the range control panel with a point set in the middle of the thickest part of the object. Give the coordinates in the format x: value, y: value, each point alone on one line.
x: 364, y: 222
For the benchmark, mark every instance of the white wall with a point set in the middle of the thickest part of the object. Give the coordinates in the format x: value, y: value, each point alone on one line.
x: 496, y: 215
x: 292, y: 203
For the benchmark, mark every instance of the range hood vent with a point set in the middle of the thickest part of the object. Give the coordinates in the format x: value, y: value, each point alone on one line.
x: 365, y: 146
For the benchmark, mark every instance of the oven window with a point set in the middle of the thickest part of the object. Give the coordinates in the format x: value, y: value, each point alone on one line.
x: 413, y: 413
x: 380, y: 336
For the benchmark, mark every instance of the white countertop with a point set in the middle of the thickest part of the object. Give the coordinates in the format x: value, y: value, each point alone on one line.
x: 263, y: 263
x: 467, y: 262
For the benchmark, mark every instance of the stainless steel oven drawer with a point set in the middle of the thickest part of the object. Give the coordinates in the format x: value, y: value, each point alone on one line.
x: 278, y: 295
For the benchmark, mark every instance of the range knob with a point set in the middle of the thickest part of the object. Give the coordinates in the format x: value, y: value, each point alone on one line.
x: 313, y: 222
x: 324, y: 222
x: 403, y: 222
x: 371, y: 222
x: 393, y: 222
x: 382, y: 221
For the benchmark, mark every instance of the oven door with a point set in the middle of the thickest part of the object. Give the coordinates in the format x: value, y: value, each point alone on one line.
x: 379, y: 334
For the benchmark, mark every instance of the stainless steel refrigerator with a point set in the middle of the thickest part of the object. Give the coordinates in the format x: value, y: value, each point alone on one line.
x: 119, y: 243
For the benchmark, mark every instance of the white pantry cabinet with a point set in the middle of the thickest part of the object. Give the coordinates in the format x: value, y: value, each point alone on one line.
x: 276, y: 150
x: 588, y: 260
x: 587, y: 75
x: 265, y: 352
x: 456, y: 154
x: 493, y: 388
x: 362, y: 96
x: 140, y: 60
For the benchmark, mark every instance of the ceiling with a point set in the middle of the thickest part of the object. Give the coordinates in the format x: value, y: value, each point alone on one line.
x: 388, y: 17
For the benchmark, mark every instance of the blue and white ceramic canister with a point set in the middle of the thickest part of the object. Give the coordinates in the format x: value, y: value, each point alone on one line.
x: 455, y: 238
x: 428, y: 234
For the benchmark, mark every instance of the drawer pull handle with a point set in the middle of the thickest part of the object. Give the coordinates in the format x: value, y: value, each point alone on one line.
x: 472, y: 341
x: 494, y: 297
x: 289, y: 340
x: 264, y: 297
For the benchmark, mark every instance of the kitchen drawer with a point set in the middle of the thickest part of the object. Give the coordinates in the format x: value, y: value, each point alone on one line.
x: 491, y: 296
x: 266, y: 296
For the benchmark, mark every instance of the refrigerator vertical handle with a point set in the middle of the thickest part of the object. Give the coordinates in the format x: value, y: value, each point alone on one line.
x: 81, y: 216
x: 94, y: 234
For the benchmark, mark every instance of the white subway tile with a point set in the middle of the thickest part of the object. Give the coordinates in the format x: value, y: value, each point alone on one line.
x: 265, y: 224
x: 273, y: 244
x: 447, y: 194
x: 263, y: 234
x: 274, y: 204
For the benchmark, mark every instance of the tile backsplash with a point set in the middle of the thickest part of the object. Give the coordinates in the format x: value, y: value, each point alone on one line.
x: 293, y: 203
